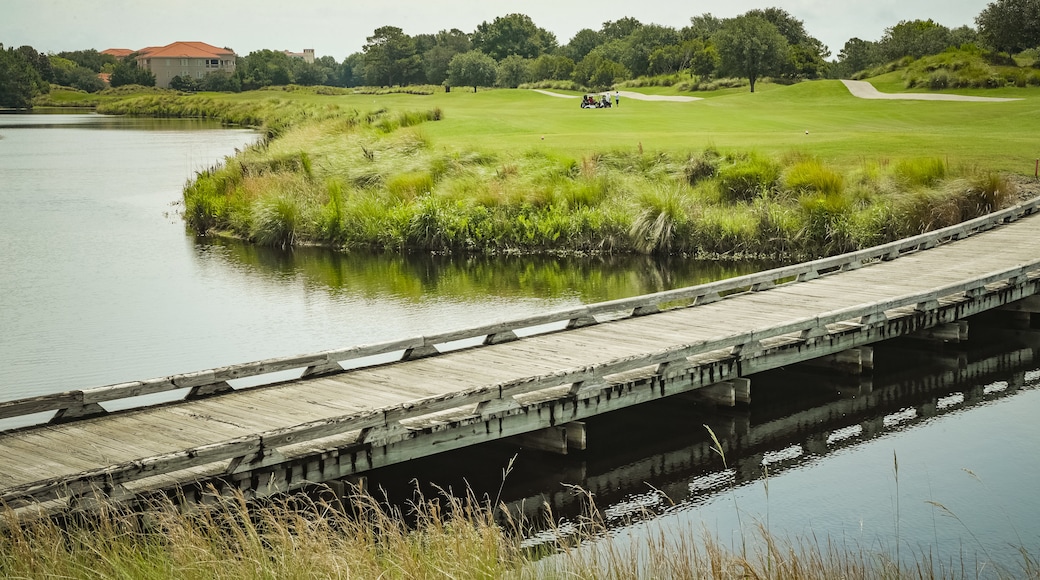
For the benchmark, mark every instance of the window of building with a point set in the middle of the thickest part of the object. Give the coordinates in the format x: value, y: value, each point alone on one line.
x: 212, y: 63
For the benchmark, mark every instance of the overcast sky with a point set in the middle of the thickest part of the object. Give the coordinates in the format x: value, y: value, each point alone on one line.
x: 339, y: 27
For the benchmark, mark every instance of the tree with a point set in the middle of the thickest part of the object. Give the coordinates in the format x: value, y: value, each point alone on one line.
x: 89, y: 59
x: 855, y: 56
x: 38, y: 61
x: 701, y: 27
x: 68, y: 73
x: 618, y: 29
x: 1010, y: 26
x: 184, y: 83
x: 914, y: 38
x: 221, y: 81
x: 262, y: 68
x: 126, y: 72
x: 513, y: 34
x: 447, y: 43
x: 806, y: 55
x: 705, y: 59
x: 582, y: 44
x: 512, y: 71
x: 596, y: 70
x: 351, y: 71
x: 551, y: 67
x: 19, y: 81
x: 390, y: 57
x: 473, y: 68
x: 750, y: 47
x: 641, y: 43
x: 307, y: 73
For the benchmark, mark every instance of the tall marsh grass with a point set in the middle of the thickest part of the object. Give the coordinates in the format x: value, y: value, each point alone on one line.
x: 396, y: 190
x: 304, y: 537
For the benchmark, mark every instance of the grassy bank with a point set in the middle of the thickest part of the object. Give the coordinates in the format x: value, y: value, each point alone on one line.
x: 441, y: 537
x: 797, y: 171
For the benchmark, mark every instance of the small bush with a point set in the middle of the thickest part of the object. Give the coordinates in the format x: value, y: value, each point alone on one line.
x: 747, y: 178
x: 701, y: 167
x: 660, y: 225
x: 276, y: 221
x: 987, y: 192
x: 812, y: 176
x: 407, y: 186
x: 924, y: 172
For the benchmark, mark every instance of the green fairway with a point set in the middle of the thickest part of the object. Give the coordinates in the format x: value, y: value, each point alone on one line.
x: 843, y: 130
x: 807, y: 169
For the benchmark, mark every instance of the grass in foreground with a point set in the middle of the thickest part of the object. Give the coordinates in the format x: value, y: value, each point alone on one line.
x: 440, y: 538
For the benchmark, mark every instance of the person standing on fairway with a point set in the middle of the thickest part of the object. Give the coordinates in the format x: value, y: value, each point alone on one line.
x: 617, y: 98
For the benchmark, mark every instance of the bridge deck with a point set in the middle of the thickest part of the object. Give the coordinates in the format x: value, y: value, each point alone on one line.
x: 48, y: 453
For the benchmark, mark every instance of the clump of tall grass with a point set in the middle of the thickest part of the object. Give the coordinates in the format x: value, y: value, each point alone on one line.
x: 295, y: 537
x: 407, y: 186
x: 360, y: 536
x: 712, y: 84
x: 278, y: 220
x: 661, y: 224
x: 700, y: 167
x: 746, y: 177
x: 811, y: 176
x: 920, y: 172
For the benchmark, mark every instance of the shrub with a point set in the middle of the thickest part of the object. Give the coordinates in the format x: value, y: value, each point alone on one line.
x: 701, y: 167
x: 277, y: 220
x: 812, y: 176
x: 986, y: 192
x: 661, y: 222
x: 747, y: 178
x: 924, y: 172
x: 826, y: 228
x: 407, y: 186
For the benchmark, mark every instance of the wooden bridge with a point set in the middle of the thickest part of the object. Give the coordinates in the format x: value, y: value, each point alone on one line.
x: 534, y: 379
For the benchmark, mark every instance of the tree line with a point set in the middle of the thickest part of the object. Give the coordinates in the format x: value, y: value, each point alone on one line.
x: 512, y: 50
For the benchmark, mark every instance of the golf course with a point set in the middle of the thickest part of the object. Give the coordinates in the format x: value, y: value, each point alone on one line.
x: 796, y: 171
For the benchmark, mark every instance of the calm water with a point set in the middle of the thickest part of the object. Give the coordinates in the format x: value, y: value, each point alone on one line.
x: 100, y: 283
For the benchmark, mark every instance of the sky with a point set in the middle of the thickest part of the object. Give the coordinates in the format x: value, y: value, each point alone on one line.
x: 338, y: 27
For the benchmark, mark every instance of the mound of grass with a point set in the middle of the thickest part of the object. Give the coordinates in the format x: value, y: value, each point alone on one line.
x: 751, y: 178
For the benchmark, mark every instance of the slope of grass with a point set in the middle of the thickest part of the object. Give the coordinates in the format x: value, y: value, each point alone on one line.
x: 515, y: 170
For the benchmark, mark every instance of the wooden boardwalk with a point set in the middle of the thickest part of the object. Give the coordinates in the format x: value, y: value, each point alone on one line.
x: 331, y: 423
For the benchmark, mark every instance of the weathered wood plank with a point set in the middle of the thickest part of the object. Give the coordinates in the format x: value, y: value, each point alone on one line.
x: 331, y: 407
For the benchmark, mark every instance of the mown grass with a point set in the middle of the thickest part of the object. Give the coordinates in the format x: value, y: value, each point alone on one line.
x: 442, y: 537
x: 798, y: 170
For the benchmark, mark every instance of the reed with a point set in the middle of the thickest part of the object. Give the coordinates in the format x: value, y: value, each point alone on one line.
x: 401, y: 189
x: 447, y: 536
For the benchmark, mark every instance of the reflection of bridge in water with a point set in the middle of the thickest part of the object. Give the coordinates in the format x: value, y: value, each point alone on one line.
x: 845, y: 412
x: 430, y: 394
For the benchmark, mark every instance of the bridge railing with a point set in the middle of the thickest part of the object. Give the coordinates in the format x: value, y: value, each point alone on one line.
x: 373, y: 424
x: 86, y: 402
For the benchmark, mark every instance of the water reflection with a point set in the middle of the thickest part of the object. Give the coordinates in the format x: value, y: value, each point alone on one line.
x: 825, y: 444
x: 421, y: 276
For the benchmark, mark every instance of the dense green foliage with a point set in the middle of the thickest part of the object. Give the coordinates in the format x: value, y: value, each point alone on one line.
x: 1010, y: 26
x: 473, y: 68
x: 378, y: 181
x: 20, y: 81
x: 751, y: 47
x: 694, y: 57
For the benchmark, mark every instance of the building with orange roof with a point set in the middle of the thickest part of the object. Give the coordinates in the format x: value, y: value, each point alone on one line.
x: 119, y: 53
x: 185, y: 59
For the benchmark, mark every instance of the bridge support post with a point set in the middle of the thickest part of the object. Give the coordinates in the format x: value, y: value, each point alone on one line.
x: 850, y: 362
x: 558, y: 439
x: 725, y: 394
x: 951, y: 332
